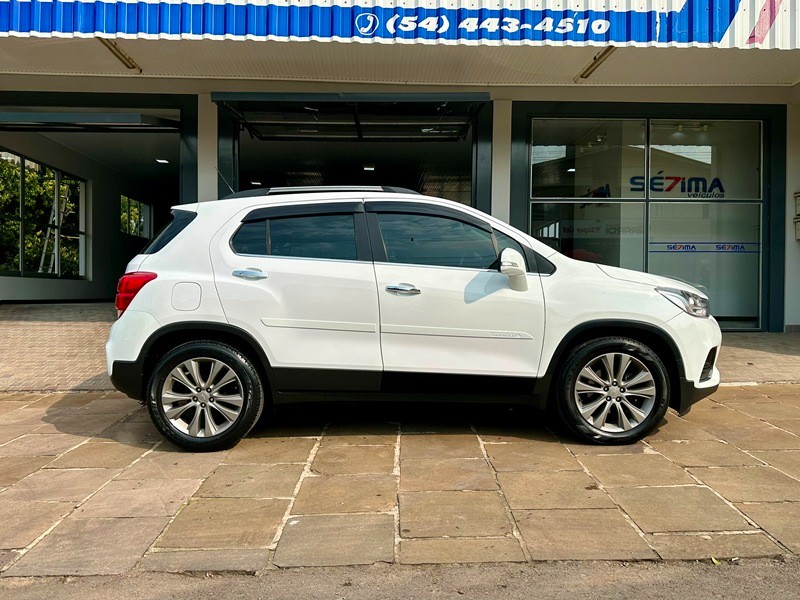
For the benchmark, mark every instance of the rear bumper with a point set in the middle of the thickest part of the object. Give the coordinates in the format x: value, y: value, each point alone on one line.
x: 128, y: 378
x: 125, y: 351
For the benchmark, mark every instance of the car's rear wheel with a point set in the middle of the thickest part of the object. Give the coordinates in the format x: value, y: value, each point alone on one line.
x: 205, y: 396
x: 613, y: 390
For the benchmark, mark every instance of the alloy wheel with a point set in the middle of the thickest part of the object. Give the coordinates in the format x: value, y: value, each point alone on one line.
x: 202, y: 397
x: 615, y: 392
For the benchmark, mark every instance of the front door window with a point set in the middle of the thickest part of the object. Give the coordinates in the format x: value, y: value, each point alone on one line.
x: 435, y: 241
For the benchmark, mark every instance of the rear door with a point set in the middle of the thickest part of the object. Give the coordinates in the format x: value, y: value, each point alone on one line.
x: 445, y: 307
x: 300, y: 279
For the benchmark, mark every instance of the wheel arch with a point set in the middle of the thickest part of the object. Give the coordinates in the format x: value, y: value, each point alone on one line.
x: 652, y: 336
x: 171, y: 336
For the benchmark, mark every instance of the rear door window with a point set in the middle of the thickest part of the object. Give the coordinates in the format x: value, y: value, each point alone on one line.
x: 251, y: 238
x: 331, y: 237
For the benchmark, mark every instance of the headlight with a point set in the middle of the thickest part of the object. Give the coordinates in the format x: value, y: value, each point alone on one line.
x: 695, y: 305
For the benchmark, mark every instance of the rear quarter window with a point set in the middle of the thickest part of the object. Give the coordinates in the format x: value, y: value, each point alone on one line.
x: 180, y: 220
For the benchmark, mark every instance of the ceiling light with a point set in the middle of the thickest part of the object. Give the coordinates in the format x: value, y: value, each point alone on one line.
x: 369, y: 167
x: 162, y: 161
x: 255, y: 183
x: 572, y: 170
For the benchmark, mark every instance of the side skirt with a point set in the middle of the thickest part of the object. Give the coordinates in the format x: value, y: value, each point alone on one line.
x: 331, y: 385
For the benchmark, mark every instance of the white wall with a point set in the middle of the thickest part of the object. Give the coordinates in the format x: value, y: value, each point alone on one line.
x: 501, y: 159
x: 107, y: 249
x: 792, y: 298
x: 207, y: 133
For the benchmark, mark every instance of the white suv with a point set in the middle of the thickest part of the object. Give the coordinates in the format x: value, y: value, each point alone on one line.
x: 308, y: 294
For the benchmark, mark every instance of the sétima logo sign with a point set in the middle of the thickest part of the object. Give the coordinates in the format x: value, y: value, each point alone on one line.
x: 693, y: 187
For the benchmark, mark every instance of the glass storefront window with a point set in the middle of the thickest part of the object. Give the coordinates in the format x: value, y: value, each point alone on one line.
x: 134, y: 217
x: 587, y: 158
x: 715, y: 247
x: 72, y: 248
x: 9, y: 245
x: 606, y: 233
x: 713, y: 160
x: 41, y: 228
x: 10, y: 174
x: 40, y: 248
x: 698, y: 217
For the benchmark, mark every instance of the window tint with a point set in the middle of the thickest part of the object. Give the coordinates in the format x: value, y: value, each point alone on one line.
x: 504, y: 241
x: 180, y: 220
x: 323, y: 236
x: 438, y: 241
x: 544, y: 266
x: 251, y: 238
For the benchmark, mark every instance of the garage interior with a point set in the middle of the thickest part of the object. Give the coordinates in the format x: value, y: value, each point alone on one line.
x: 123, y: 165
x: 425, y: 146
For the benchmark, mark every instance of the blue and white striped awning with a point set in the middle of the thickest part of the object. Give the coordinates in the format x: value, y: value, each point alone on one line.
x: 724, y: 23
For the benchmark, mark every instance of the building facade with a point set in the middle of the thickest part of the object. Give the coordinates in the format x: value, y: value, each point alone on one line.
x: 659, y: 136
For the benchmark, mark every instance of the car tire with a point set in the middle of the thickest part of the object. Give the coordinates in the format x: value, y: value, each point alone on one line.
x: 204, y: 396
x: 612, y: 390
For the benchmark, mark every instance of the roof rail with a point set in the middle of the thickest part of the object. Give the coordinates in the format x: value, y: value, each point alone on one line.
x: 311, y: 189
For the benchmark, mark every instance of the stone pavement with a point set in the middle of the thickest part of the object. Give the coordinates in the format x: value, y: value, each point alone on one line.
x: 54, y: 346
x: 87, y: 486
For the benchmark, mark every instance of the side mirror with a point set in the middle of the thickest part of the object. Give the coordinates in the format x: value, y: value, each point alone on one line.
x: 512, y: 265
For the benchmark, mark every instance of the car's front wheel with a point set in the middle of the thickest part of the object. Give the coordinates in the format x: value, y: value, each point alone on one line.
x: 613, y: 390
x: 205, y: 396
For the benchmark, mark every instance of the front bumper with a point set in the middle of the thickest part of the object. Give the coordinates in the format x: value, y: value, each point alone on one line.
x: 691, y: 394
x: 695, y: 338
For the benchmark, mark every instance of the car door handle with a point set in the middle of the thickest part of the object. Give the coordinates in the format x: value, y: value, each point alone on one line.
x: 250, y: 274
x: 404, y: 288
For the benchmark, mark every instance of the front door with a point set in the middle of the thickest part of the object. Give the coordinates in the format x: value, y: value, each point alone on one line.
x: 301, y: 279
x: 444, y: 306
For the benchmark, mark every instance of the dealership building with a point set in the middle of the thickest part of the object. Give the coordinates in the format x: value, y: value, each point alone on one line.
x: 657, y: 135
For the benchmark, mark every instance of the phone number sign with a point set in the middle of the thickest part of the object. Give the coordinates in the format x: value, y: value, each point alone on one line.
x: 693, y: 22
x: 598, y: 22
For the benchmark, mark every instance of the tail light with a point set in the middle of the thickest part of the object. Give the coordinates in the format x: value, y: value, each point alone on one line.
x: 127, y: 288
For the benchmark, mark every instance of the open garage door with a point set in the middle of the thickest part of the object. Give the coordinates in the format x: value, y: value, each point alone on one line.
x: 438, y: 147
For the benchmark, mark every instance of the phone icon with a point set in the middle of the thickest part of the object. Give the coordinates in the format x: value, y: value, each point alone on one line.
x: 367, y: 23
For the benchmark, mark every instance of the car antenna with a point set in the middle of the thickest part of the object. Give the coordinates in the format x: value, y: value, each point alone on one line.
x: 221, y: 176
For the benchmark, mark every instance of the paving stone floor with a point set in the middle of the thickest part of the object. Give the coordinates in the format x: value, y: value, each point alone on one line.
x: 87, y: 486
